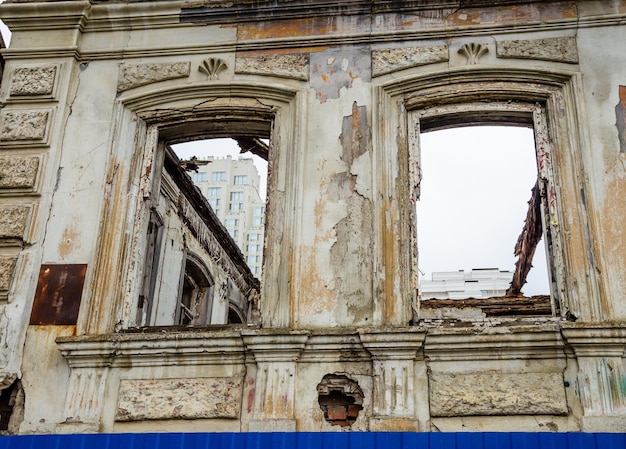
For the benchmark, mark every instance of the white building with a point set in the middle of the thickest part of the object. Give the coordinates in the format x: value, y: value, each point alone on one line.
x: 233, y: 187
x: 478, y: 283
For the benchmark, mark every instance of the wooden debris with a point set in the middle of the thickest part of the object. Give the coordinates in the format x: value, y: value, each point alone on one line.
x: 527, y: 243
x: 254, y: 146
x: 497, y: 306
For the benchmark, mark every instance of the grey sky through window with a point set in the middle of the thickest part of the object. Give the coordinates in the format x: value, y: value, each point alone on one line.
x: 476, y: 183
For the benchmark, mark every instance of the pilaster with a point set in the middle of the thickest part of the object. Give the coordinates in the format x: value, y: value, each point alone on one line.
x: 601, y: 380
x: 276, y: 354
x: 394, y: 353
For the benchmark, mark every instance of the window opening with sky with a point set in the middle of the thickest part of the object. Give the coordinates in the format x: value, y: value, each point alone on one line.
x: 476, y: 183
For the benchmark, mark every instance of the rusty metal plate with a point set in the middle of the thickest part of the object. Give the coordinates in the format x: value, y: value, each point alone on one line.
x: 58, y: 295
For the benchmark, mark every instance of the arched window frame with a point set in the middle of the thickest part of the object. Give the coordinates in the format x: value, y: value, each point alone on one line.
x: 404, y: 102
x: 144, y: 122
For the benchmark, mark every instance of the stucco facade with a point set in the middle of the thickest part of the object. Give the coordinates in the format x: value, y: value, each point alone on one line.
x: 91, y: 93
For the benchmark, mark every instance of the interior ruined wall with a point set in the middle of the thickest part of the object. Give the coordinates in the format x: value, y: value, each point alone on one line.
x: 81, y: 86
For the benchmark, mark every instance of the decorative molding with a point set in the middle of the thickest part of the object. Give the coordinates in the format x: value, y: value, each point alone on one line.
x: 85, y: 396
x: 276, y: 354
x: 294, y: 66
x: 32, y: 81
x: 588, y: 340
x: 25, y: 126
x: 153, y: 347
x: 211, y: 397
x: 13, y: 221
x: 558, y: 49
x: 524, y: 342
x: 394, y: 354
x: 212, y: 67
x: 136, y: 75
x: 394, y: 59
x: 600, y: 350
x: 459, y: 394
x: 7, y: 269
x: 18, y: 172
x: 275, y: 346
x: 473, y: 52
x: 332, y: 347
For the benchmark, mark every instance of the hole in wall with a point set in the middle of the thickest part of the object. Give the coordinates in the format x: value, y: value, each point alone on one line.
x: 340, y: 399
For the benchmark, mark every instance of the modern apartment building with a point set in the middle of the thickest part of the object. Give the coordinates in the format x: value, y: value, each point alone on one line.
x: 477, y: 283
x: 233, y: 187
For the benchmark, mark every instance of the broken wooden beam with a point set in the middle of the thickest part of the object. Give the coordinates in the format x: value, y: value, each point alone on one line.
x: 527, y: 243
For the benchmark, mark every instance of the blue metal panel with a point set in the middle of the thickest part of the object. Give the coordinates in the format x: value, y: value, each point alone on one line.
x: 304, y: 440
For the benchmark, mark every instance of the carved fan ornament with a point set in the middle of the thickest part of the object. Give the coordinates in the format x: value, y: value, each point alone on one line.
x: 473, y: 52
x: 212, y: 67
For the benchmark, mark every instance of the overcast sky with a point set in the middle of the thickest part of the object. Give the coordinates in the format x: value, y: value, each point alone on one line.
x: 476, y: 183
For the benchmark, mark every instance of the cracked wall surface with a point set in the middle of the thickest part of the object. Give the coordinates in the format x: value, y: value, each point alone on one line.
x: 92, y: 91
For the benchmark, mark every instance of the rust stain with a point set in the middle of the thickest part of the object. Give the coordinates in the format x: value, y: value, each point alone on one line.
x: 513, y: 14
x: 614, y: 238
x: 311, y: 26
x: 68, y: 242
x: 280, y: 51
x: 391, y: 267
x: 58, y: 294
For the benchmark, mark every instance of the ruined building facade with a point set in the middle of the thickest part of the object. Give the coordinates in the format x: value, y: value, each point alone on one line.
x: 334, y: 336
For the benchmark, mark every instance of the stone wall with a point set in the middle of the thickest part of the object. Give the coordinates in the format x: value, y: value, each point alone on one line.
x: 92, y: 90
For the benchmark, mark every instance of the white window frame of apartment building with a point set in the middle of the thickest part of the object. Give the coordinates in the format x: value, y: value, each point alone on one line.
x: 240, y: 180
x: 545, y: 100
x: 218, y: 176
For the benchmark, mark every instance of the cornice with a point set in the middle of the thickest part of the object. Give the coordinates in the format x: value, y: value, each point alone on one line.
x: 488, y: 343
x: 124, y: 350
x: 102, y: 17
x: 45, y: 15
x: 596, y: 340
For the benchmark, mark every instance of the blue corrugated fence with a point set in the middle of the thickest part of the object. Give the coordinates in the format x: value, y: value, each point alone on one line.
x: 305, y: 440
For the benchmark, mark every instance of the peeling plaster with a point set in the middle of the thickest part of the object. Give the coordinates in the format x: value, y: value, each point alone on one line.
x: 354, y: 231
x: 335, y: 69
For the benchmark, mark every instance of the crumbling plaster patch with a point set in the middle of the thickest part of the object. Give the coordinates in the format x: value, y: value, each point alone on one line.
x: 135, y: 75
x: 24, y: 125
x: 217, y: 397
x: 354, y: 231
x: 457, y: 394
x: 332, y: 70
x: 18, y: 172
x: 32, y: 80
x: 559, y: 49
x: 294, y: 66
x: 13, y: 221
x: 393, y: 59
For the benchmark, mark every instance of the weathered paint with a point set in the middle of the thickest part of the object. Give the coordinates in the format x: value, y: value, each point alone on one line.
x: 335, y: 69
x: 58, y: 295
x: 313, y: 26
x: 341, y: 251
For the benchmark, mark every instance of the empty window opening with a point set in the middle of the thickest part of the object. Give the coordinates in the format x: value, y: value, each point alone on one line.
x: 194, y: 305
x: 476, y: 184
x: 194, y: 272
x: 340, y: 399
x: 232, y: 174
